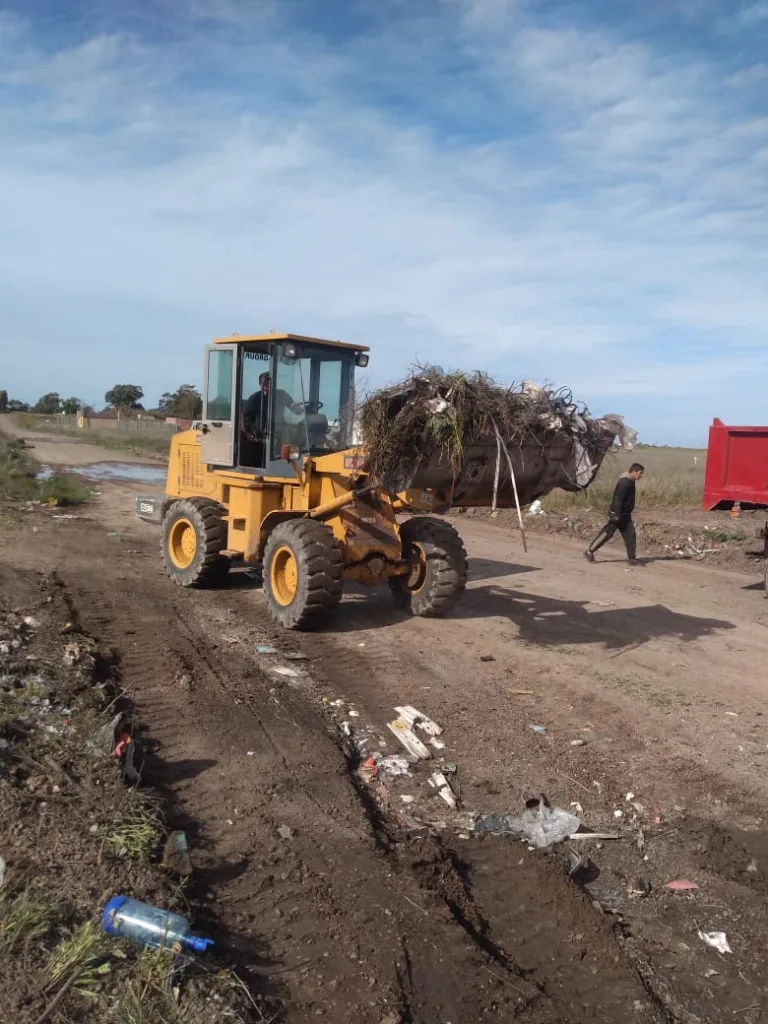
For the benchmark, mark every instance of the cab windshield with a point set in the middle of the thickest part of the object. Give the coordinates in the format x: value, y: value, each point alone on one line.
x: 313, y: 398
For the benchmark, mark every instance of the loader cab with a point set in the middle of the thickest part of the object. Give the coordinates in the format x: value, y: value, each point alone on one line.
x: 265, y: 394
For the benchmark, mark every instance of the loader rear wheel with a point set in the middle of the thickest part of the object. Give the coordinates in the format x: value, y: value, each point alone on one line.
x: 438, y: 574
x: 303, y: 573
x: 194, y: 534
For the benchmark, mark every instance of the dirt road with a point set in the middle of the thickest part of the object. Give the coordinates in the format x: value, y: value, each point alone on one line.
x: 657, y: 673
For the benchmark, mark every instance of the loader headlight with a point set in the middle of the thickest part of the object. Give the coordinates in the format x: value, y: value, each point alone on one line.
x: 361, y: 359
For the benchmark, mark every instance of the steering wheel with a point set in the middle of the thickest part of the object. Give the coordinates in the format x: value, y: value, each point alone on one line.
x: 309, y: 407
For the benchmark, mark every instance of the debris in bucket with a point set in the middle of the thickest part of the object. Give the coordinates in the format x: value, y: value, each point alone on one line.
x: 717, y: 940
x: 437, y: 426
x: 150, y: 926
x: 681, y: 885
x: 176, y: 854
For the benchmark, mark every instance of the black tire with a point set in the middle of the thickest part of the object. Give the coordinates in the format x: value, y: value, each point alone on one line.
x: 439, y: 575
x: 318, y: 572
x: 208, y: 567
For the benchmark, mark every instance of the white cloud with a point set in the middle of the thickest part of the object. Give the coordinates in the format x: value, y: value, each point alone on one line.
x: 608, y: 219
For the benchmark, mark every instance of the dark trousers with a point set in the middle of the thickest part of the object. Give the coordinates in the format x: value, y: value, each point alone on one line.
x: 626, y: 528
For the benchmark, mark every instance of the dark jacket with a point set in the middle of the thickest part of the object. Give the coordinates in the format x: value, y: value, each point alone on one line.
x: 623, y: 502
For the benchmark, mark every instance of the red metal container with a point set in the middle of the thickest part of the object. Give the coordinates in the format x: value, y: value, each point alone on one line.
x: 737, y: 466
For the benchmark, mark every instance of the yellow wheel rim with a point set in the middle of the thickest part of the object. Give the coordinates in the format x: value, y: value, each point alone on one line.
x: 182, y: 543
x: 284, y: 575
x: 418, y: 576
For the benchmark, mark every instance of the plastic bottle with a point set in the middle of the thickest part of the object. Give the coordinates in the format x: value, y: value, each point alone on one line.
x: 736, y: 510
x: 150, y: 926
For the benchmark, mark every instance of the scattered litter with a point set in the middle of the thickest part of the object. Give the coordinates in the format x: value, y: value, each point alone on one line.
x: 538, y: 728
x: 176, y: 854
x: 577, y: 807
x: 639, y: 889
x: 394, y: 764
x: 752, y: 867
x: 113, y: 533
x: 283, y: 670
x: 354, y: 714
x: 265, y: 649
x: 251, y: 753
x: 2, y: 871
x: 416, y: 719
x: 711, y: 973
x: 368, y: 770
x: 65, y: 515
x: 487, y: 657
x: 285, y: 832
x: 407, y: 799
x: 231, y: 639
x: 296, y: 656
x: 150, y: 926
x: 535, y: 508
x: 717, y: 940
x: 732, y: 714
x: 409, y: 739
x: 578, y: 743
x: 618, y: 814
x: 436, y: 743
x: 629, y: 797
x: 499, y: 825
x: 523, y: 693
x: 681, y: 885
x: 545, y: 826
x: 31, y: 623
x: 439, y: 782
x: 639, y: 808
x: 599, y: 836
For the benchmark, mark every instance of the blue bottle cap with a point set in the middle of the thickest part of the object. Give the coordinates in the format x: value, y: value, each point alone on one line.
x: 108, y: 917
x: 199, y: 945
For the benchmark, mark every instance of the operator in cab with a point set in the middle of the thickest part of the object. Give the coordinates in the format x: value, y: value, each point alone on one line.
x: 254, y: 420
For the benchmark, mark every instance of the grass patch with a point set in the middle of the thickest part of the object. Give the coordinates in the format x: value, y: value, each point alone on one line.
x: 19, y: 482
x: 26, y: 920
x: 81, y: 953
x: 137, y: 830
x: 674, y: 478
x: 148, y: 996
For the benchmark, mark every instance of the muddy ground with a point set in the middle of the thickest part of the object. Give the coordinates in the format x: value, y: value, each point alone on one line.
x: 658, y: 673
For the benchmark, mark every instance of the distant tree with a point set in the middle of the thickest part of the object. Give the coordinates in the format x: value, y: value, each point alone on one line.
x: 125, y: 396
x: 48, y: 405
x: 70, y: 406
x: 15, y: 406
x: 3, y: 401
x: 186, y: 403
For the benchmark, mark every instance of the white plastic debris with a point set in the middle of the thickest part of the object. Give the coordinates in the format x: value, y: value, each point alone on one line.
x: 546, y: 826
x: 409, y: 739
x: 717, y: 940
x: 439, y: 782
x: 418, y: 720
x: 283, y: 670
x: 393, y: 764
x: 31, y: 622
x: 535, y: 508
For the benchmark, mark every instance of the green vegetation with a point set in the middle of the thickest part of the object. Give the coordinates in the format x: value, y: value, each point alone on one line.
x: 25, y: 920
x: 136, y: 830
x: 18, y: 479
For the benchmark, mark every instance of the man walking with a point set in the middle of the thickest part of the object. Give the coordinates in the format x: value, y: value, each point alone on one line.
x: 620, y: 516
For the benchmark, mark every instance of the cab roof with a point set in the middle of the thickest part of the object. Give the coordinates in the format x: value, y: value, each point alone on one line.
x: 243, y: 339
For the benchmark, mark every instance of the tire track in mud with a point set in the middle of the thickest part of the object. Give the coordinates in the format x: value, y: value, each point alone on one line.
x: 292, y: 863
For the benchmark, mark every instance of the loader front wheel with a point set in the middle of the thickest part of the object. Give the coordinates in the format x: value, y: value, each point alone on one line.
x: 438, y: 562
x: 303, y: 573
x: 194, y: 534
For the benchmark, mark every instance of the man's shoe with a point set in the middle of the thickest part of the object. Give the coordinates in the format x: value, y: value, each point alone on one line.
x: 589, y: 556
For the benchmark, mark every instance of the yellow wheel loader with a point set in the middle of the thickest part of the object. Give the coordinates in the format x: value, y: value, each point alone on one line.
x: 271, y: 476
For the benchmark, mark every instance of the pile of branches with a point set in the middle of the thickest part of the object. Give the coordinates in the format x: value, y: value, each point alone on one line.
x: 437, y: 413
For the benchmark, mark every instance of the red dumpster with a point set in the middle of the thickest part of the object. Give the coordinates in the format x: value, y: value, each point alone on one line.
x: 737, y: 466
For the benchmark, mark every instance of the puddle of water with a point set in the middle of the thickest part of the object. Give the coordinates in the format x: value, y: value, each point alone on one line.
x: 124, y: 471
x: 112, y: 471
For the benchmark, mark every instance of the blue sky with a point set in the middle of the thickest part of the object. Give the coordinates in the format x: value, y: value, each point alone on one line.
x: 566, y: 191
